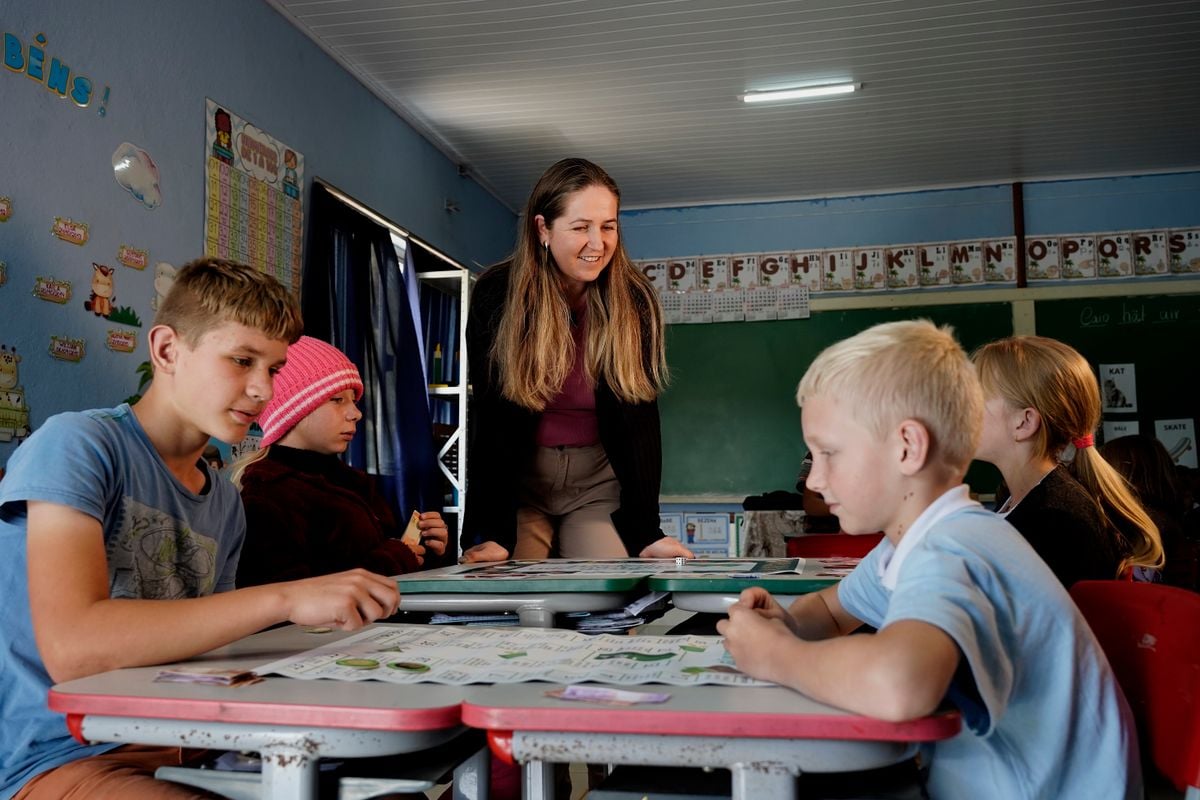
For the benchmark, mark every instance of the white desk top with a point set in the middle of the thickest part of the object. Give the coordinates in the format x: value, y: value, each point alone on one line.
x: 360, y: 705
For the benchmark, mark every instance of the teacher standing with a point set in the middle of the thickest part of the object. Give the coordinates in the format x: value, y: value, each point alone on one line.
x: 566, y: 362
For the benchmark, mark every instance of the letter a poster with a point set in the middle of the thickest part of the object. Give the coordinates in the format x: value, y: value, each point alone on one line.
x: 252, y: 198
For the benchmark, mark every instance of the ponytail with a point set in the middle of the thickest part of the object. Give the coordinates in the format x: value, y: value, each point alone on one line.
x: 1142, y: 543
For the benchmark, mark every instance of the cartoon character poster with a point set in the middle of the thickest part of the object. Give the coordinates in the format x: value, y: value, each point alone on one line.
x: 253, y: 202
x: 164, y: 279
x: 14, y: 413
x: 102, y: 299
x: 100, y: 302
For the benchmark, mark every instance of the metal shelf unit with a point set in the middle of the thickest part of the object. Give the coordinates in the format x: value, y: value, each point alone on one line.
x: 452, y: 439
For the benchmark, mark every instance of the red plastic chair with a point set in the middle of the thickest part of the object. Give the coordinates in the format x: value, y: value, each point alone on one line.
x: 832, y: 545
x: 1151, y: 635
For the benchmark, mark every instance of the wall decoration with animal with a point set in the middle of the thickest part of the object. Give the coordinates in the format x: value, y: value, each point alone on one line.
x: 14, y: 413
x: 102, y: 303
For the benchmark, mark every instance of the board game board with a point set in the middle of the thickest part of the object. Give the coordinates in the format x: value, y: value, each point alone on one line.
x: 457, y: 656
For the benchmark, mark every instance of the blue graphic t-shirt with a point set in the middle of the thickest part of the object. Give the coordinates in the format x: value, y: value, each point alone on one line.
x: 162, y: 540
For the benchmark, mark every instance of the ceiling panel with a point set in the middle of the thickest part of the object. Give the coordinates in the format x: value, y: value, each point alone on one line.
x: 955, y: 92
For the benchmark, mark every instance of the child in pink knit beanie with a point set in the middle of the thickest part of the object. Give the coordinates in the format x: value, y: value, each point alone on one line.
x: 307, y: 512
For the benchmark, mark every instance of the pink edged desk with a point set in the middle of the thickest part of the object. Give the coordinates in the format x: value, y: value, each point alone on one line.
x: 764, y: 736
x: 291, y: 723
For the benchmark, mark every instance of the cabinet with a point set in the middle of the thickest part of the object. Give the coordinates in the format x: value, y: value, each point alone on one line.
x: 445, y: 296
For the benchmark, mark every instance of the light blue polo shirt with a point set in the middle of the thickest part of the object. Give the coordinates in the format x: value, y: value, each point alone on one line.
x: 1043, y: 714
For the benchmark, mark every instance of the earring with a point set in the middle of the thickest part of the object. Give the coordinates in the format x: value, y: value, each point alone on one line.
x: 545, y: 246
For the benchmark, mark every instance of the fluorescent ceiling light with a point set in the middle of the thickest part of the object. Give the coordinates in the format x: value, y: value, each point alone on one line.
x: 803, y: 92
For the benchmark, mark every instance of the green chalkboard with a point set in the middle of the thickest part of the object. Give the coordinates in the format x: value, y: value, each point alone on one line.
x: 730, y: 421
x: 1159, y: 335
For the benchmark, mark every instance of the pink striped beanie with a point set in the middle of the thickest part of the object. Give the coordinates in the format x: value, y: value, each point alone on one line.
x: 315, y: 371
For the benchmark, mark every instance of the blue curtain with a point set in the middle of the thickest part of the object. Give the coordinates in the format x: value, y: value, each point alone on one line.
x: 355, y: 297
x: 413, y: 288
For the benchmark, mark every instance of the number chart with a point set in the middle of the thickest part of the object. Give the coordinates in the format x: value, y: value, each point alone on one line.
x: 253, y: 209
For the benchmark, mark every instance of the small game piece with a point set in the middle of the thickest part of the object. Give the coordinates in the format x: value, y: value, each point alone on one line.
x: 412, y: 533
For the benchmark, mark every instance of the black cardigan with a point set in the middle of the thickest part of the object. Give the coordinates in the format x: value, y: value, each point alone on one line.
x: 1066, y: 527
x: 502, y: 439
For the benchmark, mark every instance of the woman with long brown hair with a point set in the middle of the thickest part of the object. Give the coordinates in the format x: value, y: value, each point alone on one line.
x: 566, y: 362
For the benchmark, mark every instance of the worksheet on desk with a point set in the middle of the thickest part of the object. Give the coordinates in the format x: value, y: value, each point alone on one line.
x: 458, y: 656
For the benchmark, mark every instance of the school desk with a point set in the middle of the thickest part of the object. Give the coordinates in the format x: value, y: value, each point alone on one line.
x: 292, y: 723
x: 713, y: 593
x: 537, y: 590
x: 497, y: 587
x: 764, y: 736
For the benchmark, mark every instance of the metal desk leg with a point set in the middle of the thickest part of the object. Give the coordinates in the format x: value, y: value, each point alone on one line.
x: 288, y: 772
x: 472, y: 777
x: 535, y: 617
x: 289, y: 753
x: 752, y: 781
x: 538, y: 780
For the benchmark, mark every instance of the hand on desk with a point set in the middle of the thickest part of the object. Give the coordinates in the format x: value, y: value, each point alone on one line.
x: 434, y: 536
x: 347, y: 600
x: 487, y: 551
x: 666, y: 547
x: 756, y: 632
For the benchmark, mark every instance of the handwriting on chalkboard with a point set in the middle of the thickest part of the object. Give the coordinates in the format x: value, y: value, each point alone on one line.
x: 1130, y: 314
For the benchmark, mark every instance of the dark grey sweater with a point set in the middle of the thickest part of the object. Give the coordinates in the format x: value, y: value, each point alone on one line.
x: 1067, y: 529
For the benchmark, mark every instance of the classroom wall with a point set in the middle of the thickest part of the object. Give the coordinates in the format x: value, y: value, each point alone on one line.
x: 730, y: 424
x: 159, y: 59
x: 1074, y: 206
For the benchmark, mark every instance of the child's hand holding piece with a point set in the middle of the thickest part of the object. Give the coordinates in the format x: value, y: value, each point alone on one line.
x: 346, y: 600
x: 426, y: 531
x: 756, y: 633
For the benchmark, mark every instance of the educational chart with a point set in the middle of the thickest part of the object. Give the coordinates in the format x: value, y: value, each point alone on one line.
x: 252, y: 210
x: 458, y: 656
x: 755, y: 287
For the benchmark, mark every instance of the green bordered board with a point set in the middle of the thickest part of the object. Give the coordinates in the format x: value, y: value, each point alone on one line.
x: 627, y: 575
x: 785, y: 576
x: 527, y: 577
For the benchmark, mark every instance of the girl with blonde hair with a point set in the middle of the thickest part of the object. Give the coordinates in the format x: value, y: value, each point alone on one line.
x: 1042, y: 403
x: 566, y: 361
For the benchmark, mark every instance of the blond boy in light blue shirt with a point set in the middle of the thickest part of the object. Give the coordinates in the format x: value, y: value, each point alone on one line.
x: 966, y: 612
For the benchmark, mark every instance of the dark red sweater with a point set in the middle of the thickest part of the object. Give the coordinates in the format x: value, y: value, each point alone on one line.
x: 309, y: 514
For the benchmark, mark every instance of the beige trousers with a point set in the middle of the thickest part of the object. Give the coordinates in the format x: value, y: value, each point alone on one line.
x: 567, y: 500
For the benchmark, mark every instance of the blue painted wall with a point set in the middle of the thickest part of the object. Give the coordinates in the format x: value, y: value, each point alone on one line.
x: 1079, y: 206
x: 160, y: 60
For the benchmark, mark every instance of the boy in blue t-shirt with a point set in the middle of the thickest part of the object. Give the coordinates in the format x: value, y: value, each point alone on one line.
x: 966, y: 611
x: 121, y: 542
